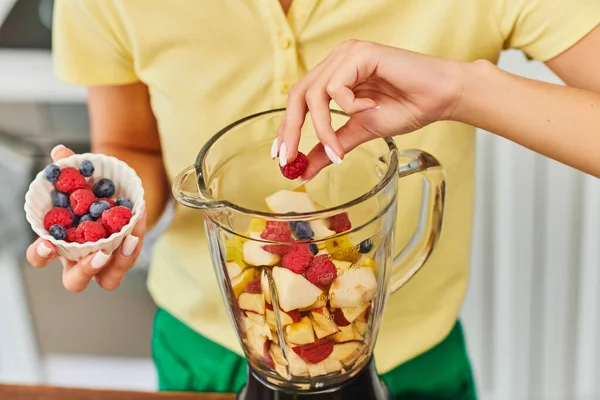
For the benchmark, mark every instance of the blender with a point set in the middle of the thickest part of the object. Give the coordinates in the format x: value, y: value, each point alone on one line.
x: 305, y: 268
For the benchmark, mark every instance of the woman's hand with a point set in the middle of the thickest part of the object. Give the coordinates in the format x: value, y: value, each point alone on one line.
x: 108, y: 270
x: 385, y: 90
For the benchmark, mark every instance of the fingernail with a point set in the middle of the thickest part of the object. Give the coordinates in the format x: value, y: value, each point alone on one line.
x: 100, y: 259
x: 274, y: 148
x: 43, y: 250
x: 283, y: 155
x: 332, y: 155
x: 129, y: 245
x: 55, y: 149
x: 369, y: 110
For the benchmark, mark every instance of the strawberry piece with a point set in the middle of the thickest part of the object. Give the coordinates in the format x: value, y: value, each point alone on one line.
x: 321, y: 271
x: 296, y: 168
x: 339, y: 223
x: 59, y: 216
x: 81, y: 200
x: 316, y: 352
x: 69, y: 180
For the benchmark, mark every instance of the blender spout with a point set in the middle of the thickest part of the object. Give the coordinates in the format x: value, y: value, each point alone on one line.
x: 185, y: 190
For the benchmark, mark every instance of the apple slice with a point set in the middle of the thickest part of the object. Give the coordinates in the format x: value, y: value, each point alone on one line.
x: 300, y: 332
x: 323, y: 322
x: 320, y: 229
x: 347, y: 334
x: 257, y: 318
x: 256, y: 225
x: 234, y: 261
x: 256, y: 343
x: 267, y: 355
x: 341, y: 265
x: 255, y: 255
x: 317, y: 369
x: 354, y: 288
x: 316, y: 352
x: 366, y: 261
x: 346, y: 353
x: 350, y: 314
x: 264, y: 283
x: 294, y: 291
x: 285, y: 201
x: 297, y: 366
x: 286, y: 319
x: 252, y: 302
x: 239, y: 283
x: 277, y: 354
x: 361, y: 327
x: 253, y: 328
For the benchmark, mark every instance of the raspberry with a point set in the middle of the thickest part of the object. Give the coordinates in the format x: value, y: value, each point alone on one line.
x: 90, y: 231
x: 296, y: 168
x: 69, y: 180
x: 58, y: 216
x: 277, y: 232
x: 81, y: 200
x: 297, y: 260
x: 321, y: 271
x: 111, y: 202
x: 115, y: 219
x: 339, y: 223
x: 72, y: 236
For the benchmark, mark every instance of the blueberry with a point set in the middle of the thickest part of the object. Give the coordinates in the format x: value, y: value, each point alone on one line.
x: 97, y: 208
x: 365, y: 246
x: 313, y: 248
x: 292, y: 223
x: 86, y: 217
x: 303, y: 231
x: 86, y: 168
x: 58, y: 232
x: 122, y: 201
x: 51, y: 173
x: 104, y: 188
x: 60, y: 199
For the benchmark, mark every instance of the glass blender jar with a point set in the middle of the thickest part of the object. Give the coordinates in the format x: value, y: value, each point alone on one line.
x: 305, y: 269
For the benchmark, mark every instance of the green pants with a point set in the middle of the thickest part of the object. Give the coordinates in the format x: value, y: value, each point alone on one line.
x: 187, y: 361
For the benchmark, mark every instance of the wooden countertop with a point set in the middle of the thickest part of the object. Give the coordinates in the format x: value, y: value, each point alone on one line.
x: 9, y: 392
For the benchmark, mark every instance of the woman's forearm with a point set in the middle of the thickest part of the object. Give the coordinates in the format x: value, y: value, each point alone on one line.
x: 559, y: 122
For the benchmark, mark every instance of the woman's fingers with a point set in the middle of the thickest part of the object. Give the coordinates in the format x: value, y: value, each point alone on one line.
x: 60, y: 151
x: 76, y: 277
x: 40, y: 253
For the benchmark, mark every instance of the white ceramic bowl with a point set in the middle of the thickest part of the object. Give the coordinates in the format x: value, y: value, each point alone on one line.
x: 38, y: 201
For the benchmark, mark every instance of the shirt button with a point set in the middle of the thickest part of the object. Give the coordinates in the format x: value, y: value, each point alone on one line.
x: 284, y: 43
x: 285, y: 88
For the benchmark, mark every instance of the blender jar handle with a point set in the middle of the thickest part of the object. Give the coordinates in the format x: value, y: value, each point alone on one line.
x: 421, y: 245
x: 187, y: 179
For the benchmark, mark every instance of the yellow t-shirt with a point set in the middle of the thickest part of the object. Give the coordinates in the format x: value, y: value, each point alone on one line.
x: 208, y: 63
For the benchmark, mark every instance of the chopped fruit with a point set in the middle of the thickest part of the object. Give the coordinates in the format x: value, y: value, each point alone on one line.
x: 240, y: 282
x: 352, y: 313
x: 254, y: 254
x: 321, y: 302
x: 301, y: 188
x: 361, y: 327
x: 303, y: 231
x: 266, y: 288
x: 313, y: 248
x: 326, y: 366
x: 234, y: 261
x: 341, y: 248
x: 125, y: 202
x: 320, y: 230
x: 347, y: 353
x: 91, y: 231
x: 298, y: 366
x: 366, y: 261
x: 297, y: 260
x: 256, y: 343
x: 257, y: 225
x: 341, y: 265
x: 296, y: 168
x: 72, y: 236
x: 285, y: 201
x: 233, y: 268
x: 235, y: 242
x: 81, y: 200
x: 321, y: 271
x: 267, y: 355
x: 254, y: 287
x: 300, y: 332
x: 86, y: 168
x: 60, y: 199
x: 104, y: 188
x: 347, y: 334
x: 316, y: 352
x: 116, y: 218
x: 322, y: 322
x: 365, y: 246
x: 252, y: 302
x: 254, y: 329
x: 277, y: 232
x: 354, y: 288
x: 339, y: 318
x: 256, y: 318
x: 51, y: 173
x: 58, y: 216
x: 293, y: 290
x: 277, y: 354
x: 58, y: 232
x: 318, y: 369
x: 340, y: 223
x: 69, y: 180
x: 286, y: 319
x: 296, y: 315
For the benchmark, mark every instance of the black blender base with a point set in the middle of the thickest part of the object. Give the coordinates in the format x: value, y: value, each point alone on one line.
x: 365, y: 386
